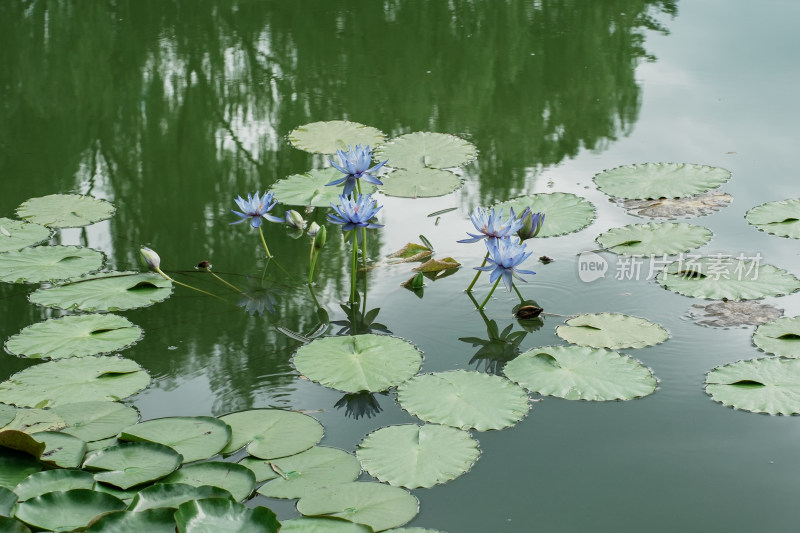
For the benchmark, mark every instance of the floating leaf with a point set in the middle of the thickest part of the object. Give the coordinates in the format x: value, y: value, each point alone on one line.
x: 151, y: 521
x: 16, y: 235
x: 132, y: 463
x: 376, y: 505
x: 437, y: 265
x: 317, y: 467
x: 66, y: 510
x: 464, y: 399
x: 412, y: 530
x: 125, y: 495
x: 330, y: 136
x: 415, y: 456
x: 63, y: 381
x: 717, y: 278
x: 7, y: 501
x: 272, y: 433
x: 691, y: 206
x: 657, y: 180
x: 235, y: 478
x: 311, y: 188
x: 35, y: 420
x: 7, y: 414
x: 65, y: 210
x: 654, y: 238
x: 581, y: 373
x: 12, y: 525
x: 419, y: 183
x: 21, y: 441
x: 611, y: 330
x: 74, y: 336
x: 411, y: 252
x: 769, y: 385
x: 732, y: 313
x: 194, y: 437
x: 101, y: 444
x: 220, y: 514
x: 94, y: 421
x: 323, y: 524
x: 356, y: 363
x: 260, y: 467
x: 62, y: 450
x: 780, y: 337
x: 781, y: 218
x: 107, y: 291
x: 564, y: 212
x: 48, y: 263
x: 16, y: 466
x: 40, y: 483
x: 173, y: 494
x: 427, y: 149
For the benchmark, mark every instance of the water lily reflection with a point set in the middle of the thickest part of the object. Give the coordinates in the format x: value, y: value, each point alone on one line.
x: 359, y: 404
x: 259, y: 301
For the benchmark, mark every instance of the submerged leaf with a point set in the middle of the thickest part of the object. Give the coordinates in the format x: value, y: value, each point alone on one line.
x: 657, y: 180
x: 732, y: 313
x: 691, y: 206
x: 768, y: 385
x: 332, y: 135
x: 781, y: 218
x: 65, y: 210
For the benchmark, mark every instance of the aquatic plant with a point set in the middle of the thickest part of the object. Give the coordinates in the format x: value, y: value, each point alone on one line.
x: 354, y: 164
x: 255, y: 208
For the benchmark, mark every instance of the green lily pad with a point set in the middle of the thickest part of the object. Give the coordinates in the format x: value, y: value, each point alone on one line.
x: 654, y: 238
x: 220, y: 514
x: 36, y: 420
x: 46, y: 481
x: 235, y: 478
x: 323, y: 524
x: 95, y: 445
x: 12, y: 525
x: 314, y: 468
x: 611, y: 330
x: 132, y: 463
x: 332, y: 135
x: 172, y: 495
x: 21, y: 441
x: 74, y: 336
x: 66, y: 510
x: 415, y: 456
x: 7, y: 414
x: 717, y: 278
x: 564, y: 212
x: 691, y: 206
x: 356, y: 363
x: 262, y: 468
x: 657, y: 180
x: 419, y: 182
x: 150, y: 520
x: 95, y: 421
x: 412, y: 530
x: 376, y: 505
x: 107, y: 291
x: 770, y: 385
x: 781, y: 218
x: 63, y: 381
x: 732, y: 313
x: 16, y: 235
x: 125, y: 495
x: 272, y: 433
x: 16, y: 466
x: 48, y: 263
x: 780, y: 337
x: 194, y: 437
x: 464, y: 399
x: 581, y: 373
x: 311, y: 188
x: 425, y: 149
x: 7, y: 500
x: 65, y: 210
x: 61, y: 449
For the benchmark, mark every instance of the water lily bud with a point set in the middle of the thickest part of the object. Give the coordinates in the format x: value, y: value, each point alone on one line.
x: 295, y: 220
x: 531, y: 224
x: 319, y: 240
x: 313, y: 229
x: 150, y: 257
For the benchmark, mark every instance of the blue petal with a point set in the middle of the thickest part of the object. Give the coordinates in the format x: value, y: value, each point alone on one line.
x: 337, y: 182
x: 272, y: 218
x: 255, y: 222
x: 371, y: 179
x: 507, y: 279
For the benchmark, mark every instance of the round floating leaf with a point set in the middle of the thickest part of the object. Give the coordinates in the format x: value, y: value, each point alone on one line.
x: 311, y: 188
x: 356, y: 363
x: 717, y: 278
x: 100, y: 444
x: 219, y: 514
x: 780, y: 337
x: 132, y: 463
x: 657, y: 180
x: 173, y: 494
x: 236, y: 479
x: 330, y: 136
x: 260, y: 467
x: 66, y: 510
x: 74, y: 336
x: 323, y: 524
x: 7, y: 501
x: 7, y: 414
x: 65, y: 210
x: 464, y: 399
x: 272, y: 433
x: 36, y: 420
x: 12, y: 525
x: 728, y: 314
x: 611, y: 330
x: 194, y: 437
x: 151, y: 521
x: 419, y: 183
x: 16, y: 466
x: 581, y: 373
x: 107, y: 291
x: 564, y: 212
x: 414, y: 456
x: 24, y: 442
x: 692, y: 206
x: 378, y: 506
x: 16, y: 235
x: 40, y: 483
x: 62, y: 450
x: 63, y: 381
x: 94, y: 421
x: 654, y: 238
x: 318, y: 467
x: 769, y: 385
x: 48, y: 263
x: 780, y: 218
x: 125, y: 495
x: 413, y: 530
x: 427, y: 149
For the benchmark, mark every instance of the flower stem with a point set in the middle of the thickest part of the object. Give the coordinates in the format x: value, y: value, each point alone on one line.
x: 514, y: 285
x: 490, y: 294
x: 469, y: 289
x: 231, y: 285
x: 264, y: 242
x: 314, y: 256
x: 353, y: 271
x: 188, y: 286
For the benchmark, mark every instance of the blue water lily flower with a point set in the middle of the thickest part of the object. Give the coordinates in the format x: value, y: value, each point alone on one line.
x: 355, y: 213
x: 255, y: 208
x: 531, y: 224
x: 505, y: 255
x: 355, y: 165
x: 492, y: 226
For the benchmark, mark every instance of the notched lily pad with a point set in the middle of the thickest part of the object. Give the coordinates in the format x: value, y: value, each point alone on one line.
x: 781, y: 218
x: 769, y: 385
x: 36, y: 420
x: 419, y: 183
x: 16, y: 235
x: 65, y: 210
x: 654, y: 238
x: 194, y: 437
x: 323, y: 524
x: 235, y: 478
x: 657, y: 180
x: 311, y: 188
x: 780, y: 337
x: 732, y: 313
x: 66, y: 510
x: 48, y: 263
x: 220, y: 514
x: 58, y: 479
x: 94, y: 421
x: 317, y: 467
x: 564, y: 212
x: 332, y: 135
x: 132, y: 463
x: 425, y: 149
x: 61, y: 449
x: 272, y: 433
x: 611, y: 330
x: 688, y: 207
x: 171, y: 495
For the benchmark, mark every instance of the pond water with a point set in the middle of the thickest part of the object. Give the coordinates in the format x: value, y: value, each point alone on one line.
x: 171, y: 110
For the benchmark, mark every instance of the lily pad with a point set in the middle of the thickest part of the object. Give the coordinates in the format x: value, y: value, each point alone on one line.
x: 63, y: 381
x: 12, y: 525
x: 61, y: 449
x: 16, y: 235
x: 769, y: 385
x: 194, y: 437
x: 464, y: 399
x: 657, y: 180
x: 356, y: 363
x: 107, y: 291
x: 173, y: 495
x: 415, y: 456
x: 66, y: 510
x: 95, y: 421
x: 74, y: 336
x: 7, y: 414
x: 46, y: 481
x: 437, y: 265
x: 48, y: 263
x: 376, y: 505
x: 132, y: 463
x: 611, y: 330
x: 151, y: 521
x: 236, y: 479
x: 780, y: 337
x: 564, y: 212
x: 318, y: 467
x: 323, y: 524
x: 781, y: 218
x: 311, y: 188
x: 21, y: 441
x: 262, y: 468
x: 65, y: 210
x: 419, y: 183
x: 16, y: 466
x: 332, y: 135
x: 220, y: 514
x: 732, y: 313
x: 581, y: 373
x: 125, y: 495
x: 717, y: 278
x: 410, y: 252
x: 7, y: 501
x: 691, y: 206
x: 36, y: 420
x: 425, y: 149
x: 654, y: 238
x: 272, y: 433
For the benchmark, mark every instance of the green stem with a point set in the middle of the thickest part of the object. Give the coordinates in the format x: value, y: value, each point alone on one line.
x: 364, y: 247
x: 353, y: 271
x: 311, y: 269
x: 490, y: 294
x: 514, y: 285
x: 469, y: 289
x: 264, y: 242
x: 231, y: 285
x: 189, y: 286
